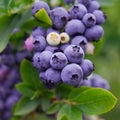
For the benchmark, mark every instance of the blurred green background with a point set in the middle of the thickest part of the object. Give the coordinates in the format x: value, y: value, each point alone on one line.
x: 107, y: 57
x: 107, y: 60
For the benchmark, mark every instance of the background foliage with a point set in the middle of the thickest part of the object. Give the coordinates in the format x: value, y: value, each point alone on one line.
x: 16, y: 13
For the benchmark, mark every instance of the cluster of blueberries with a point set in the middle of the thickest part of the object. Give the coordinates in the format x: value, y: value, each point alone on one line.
x: 96, y: 81
x: 9, y: 77
x: 59, y: 50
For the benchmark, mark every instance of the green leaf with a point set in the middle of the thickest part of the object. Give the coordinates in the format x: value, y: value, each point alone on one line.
x: 46, y: 99
x: 95, y: 101
x: 26, y: 106
x: 45, y: 102
x: 17, y: 39
x: 9, y: 4
x: 53, y: 108
x: 43, y: 16
x: 15, y: 118
x: 77, y: 91
x: 63, y: 89
x: 7, y: 24
x: 25, y: 89
x: 68, y: 112
x: 30, y: 75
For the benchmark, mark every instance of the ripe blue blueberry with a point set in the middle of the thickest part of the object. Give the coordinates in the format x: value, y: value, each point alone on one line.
x: 42, y: 60
x: 53, y: 77
x: 1, y: 105
x: 58, y: 60
x: 39, y: 43
x: 100, y: 16
x: 87, y: 67
x: 22, y: 55
x: 94, y: 5
x: 63, y: 46
x: 49, y: 30
x: 69, y: 1
x: 59, y: 17
x: 72, y: 74
x: 85, y: 2
x: 42, y: 77
x: 7, y: 114
x: 94, y: 33
x: 39, y: 5
x: 74, y: 54
x: 98, y: 81
x: 11, y: 101
x: 8, y: 49
x: 79, y: 41
x: 89, y: 20
x: 85, y: 83
x: 36, y: 60
x: 78, y: 11
x: 8, y: 59
x: 74, y: 27
x: 52, y: 49
x: 37, y: 31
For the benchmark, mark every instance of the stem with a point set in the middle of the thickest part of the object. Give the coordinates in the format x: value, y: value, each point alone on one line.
x: 67, y: 101
x: 24, y: 117
x: 33, y: 114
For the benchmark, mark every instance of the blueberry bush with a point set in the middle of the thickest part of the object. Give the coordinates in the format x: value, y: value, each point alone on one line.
x: 45, y: 69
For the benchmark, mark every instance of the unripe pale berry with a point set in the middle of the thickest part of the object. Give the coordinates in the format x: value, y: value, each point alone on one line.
x: 53, y: 39
x: 64, y: 38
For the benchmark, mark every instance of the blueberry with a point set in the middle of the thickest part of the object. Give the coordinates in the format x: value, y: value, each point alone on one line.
x: 63, y: 46
x: 89, y: 20
x: 52, y: 49
x: 59, y: 17
x: 98, y: 81
x: 39, y: 43
x: 78, y: 11
x: 53, y: 77
x: 28, y: 44
x: 49, y: 30
x: 75, y: 54
x: 94, y: 5
x: 94, y: 33
x: 4, y: 70
x: 74, y: 27
x: 21, y: 55
x: 64, y: 38
x: 11, y: 101
x: 79, y: 41
x: 85, y: 2
x: 37, y: 31
x: 69, y: 1
x: 90, y: 48
x: 8, y: 59
x: 72, y: 74
x: 39, y: 5
x: 86, y: 83
x: 100, y: 16
x: 87, y: 67
x: 1, y: 105
x: 7, y: 115
x: 42, y: 60
x: 58, y: 60
x: 8, y: 49
x: 11, y: 79
x: 42, y: 77
x: 53, y: 39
